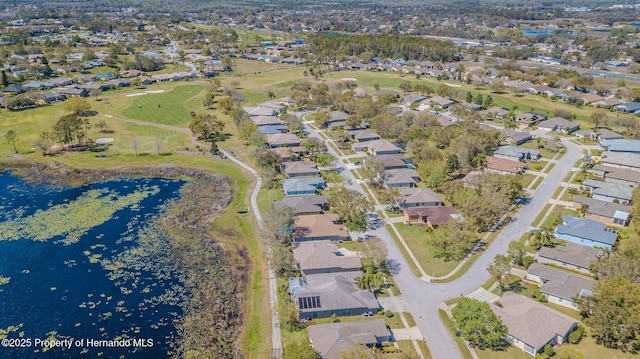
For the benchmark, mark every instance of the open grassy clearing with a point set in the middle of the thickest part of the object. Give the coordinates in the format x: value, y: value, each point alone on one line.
x: 166, y: 108
x: 418, y: 241
x: 413, y: 266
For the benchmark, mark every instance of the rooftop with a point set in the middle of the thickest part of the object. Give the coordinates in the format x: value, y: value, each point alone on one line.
x: 561, y: 284
x: 571, y: 253
x: 587, y: 229
x: 331, y: 339
x: 314, y: 255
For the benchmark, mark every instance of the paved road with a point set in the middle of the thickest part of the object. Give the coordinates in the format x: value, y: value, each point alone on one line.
x: 425, y: 298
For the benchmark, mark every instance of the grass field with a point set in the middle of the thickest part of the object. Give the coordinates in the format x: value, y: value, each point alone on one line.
x: 166, y: 108
x: 418, y: 241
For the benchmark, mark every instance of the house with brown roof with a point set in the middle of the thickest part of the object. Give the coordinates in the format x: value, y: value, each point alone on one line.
x: 532, y: 325
x: 262, y: 120
x: 515, y: 137
x: 288, y: 153
x: 429, y: 216
x: 318, y: 227
x: 299, y: 169
x: 419, y: 197
x: 530, y: 118
x: 571, y: 256
x: 334, y: 338
x: 259, y: 111
x: 315, y: 257
x: 503, y: 166
x: 559, y: 286
x: 589, y: 99
x: 599, y: 134
x: 438, y: 102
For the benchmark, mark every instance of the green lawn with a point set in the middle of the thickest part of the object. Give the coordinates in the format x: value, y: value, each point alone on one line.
x: 545, y: 151
x: 413, y: 266
x: 549, y: 167
x: 556, y: 216
x: 418, y: 241
x: 166, y: 108
x: 536, y: 183
x: 556, y: 193
x: 566, y: 196
x: 540, y: 215
x: 410, y: 320
x: 266, y: 197
x: 511, y: 352
x: 527, y: 179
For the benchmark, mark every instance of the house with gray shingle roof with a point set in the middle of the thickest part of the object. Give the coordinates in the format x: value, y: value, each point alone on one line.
x: 586, y: 232
x: 532, y: 325
x: 516, y: 153
x: 622, y: 160
x: 419, y: 197
x: 302, y: 186
x: 299, y: 169
x: 571, y: 256
x: 609, y: 213
x: 322, y: 295
x: 315, y: 257
x: 622, y: 176
x: 609, y: 191
x: 401, y: 178
x: 621, y: 145
x: 559, y: 124
x: 334, y: 338
x: 560, y: 287
x: 515, y: 137
x: 306, y: 204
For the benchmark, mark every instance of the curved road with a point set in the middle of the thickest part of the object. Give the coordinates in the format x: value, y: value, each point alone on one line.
x: 424, y: 298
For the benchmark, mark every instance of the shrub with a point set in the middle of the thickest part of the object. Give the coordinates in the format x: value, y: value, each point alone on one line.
x: 334, y: 318
x: 388, y: 314
x: 548, y: 351
x: 576, y: 335
x: 526, y: 261
x: 381, y: 312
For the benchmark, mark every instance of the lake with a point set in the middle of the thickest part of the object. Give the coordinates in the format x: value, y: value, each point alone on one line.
x: 89, y: 265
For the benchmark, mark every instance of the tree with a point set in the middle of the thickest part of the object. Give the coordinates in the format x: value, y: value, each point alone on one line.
x: 157, y: 143
x: 77, y: 105
x: 497, y: 86
x: 375, y: 250
x: 69, y: 129
x: 478, y: 100
x: 360, y: 352
x: 44, y: 143
x: 102, y: 125
x: 209, y: 100
x: 5, y: 79
x: 137, y: 82
x: 542, y: 237
x: 271, y: 95
x: 95, y: 93
x: 499, y: 269
x: 373, y: 172
x: 452, y: 163
x: 313, y: 146
x: 406, y: 86
x: 357, y: 224
x: 10, y: 136
x: 599, y: 118
x: 453, y: 241
x: 479, y: 325
x: 348, y: 203
x: 134, y: 145
x: 321, y: 119
x: 391, y: 197
x: 226, y: 103
x: 469, y: 97
x: 488, y: 102
x: 300, y: 350
x: 207, y: 127
x: 612, y: 312
x: 516, y: 252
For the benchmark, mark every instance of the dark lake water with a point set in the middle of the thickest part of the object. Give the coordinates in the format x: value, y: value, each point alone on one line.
x: 74, y: 267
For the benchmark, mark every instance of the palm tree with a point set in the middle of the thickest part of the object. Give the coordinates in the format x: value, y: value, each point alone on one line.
x: 271, y: 95
x: 542, y: 237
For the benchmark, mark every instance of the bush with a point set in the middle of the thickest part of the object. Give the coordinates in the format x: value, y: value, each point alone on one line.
x: 334, y: 318
x: 381, y: 312
x: 388, y: 314
x: 548, y: 351
x: 576, y: 335
x: 526, y: 261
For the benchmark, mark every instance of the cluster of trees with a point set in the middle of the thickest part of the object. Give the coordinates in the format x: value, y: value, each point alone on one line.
x: 351, y: 207
x: 613, y: 311
x: 479, y: 325
x: 143, y: 63
x: 327, y: 46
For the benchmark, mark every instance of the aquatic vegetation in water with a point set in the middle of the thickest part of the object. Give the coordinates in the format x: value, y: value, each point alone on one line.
x: 73, y: 219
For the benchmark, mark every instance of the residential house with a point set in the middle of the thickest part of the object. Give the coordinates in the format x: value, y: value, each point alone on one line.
x: 621, y: 176
x: 272, y: 129
x: 73, y: 91
x: 96, y: 86
x: 472, y: 179
x: 544, y: 90
x: 411, y: 99
x: 337, y: 119
x: 621, y: 145
x: 586, y: 232
x: 299, y: 169
x: 306, y: 205
x: 622, y: 160
x: 570, y: 256
x: 496, y: 113
x: 316, y: 257
x: 262, y: 120
x: 288, y: 153
x: 559, y: 124
x: 259, y: 111
x: 385, y: 92
x: 116, y: 83
x: 438, y: 102
x: 16, y: 89
x: 609, y: 192
x: 516, y: 153
x: 376, y: 147
x: 608, y: 102
x: 529, y: 119
x: 318, y: 227
x: 400, y: 178
x: 322, y: 295
x: 390, y: 161
x: 559, y: 286
x: 61, y: 81
x: 419, y: 197
x: 599, y: 134
x: 334, y: 338
x: 515, y: 137
x: 609, y: 213
x: 275, y: 105
x: 589, y: 99
x: 283, y: 140
x: 628, y: 107
x: 364, y: 135
x: 38, y: 85
x: 503, y: 166
x: 532, y: 325
x: 307, y: 186
x: 429, y: 216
